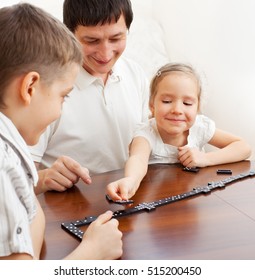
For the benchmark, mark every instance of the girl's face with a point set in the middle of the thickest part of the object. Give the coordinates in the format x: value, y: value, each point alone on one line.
x: 175, y: 105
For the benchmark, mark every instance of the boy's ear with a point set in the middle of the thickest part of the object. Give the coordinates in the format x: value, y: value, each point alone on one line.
x: 28, y: 86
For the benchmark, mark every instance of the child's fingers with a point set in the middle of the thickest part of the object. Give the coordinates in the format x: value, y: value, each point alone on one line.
x: 104, y: 218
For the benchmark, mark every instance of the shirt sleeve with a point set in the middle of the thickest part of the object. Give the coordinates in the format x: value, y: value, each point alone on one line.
x: 14, y: 220
x: 203, y: 131
x: 142, y: 82
x: 146, y: 130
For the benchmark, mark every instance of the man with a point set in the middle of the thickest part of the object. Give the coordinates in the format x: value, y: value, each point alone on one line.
x: 109, y: 99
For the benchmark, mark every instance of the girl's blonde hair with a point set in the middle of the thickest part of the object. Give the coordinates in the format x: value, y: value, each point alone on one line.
x: 168, y: 69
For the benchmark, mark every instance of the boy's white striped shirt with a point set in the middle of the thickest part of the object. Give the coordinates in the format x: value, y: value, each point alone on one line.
x: 18, y: 176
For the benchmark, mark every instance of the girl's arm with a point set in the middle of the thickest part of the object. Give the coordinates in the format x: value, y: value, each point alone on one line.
x: 135, y: 169
x: 231, y: 149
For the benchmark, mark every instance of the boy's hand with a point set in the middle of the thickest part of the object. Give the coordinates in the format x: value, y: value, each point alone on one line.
x: 103, y: 240
x: 63, y: 174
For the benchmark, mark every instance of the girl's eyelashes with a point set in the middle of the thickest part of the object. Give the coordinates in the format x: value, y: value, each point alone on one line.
x: 188, y: 103
x: 185, y: 103
x: 166, y: 101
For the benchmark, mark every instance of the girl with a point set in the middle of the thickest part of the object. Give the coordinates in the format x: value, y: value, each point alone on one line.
x: 176, y: 132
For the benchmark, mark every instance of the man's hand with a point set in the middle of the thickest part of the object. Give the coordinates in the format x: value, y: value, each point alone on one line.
x: 63, y: 174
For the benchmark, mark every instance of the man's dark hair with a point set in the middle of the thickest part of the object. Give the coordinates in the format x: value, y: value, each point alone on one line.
x: 94, y: 12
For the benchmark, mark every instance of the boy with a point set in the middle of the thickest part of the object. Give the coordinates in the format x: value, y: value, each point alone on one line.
x: 39, y: 61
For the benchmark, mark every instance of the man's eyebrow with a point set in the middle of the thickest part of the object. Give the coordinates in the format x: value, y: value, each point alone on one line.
x: 88, y: 37
x: 118, y: 34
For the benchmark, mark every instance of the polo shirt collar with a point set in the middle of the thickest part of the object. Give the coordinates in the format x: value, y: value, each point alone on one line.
x: 84, y: 79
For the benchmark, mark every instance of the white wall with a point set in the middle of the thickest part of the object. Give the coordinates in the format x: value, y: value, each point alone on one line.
x: 218, y: 38
x: 52, y: 6
x: 4, y: 3
x: 142, y: 8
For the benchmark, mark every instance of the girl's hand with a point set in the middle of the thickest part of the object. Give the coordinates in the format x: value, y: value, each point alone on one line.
x: 192, y: 157
x: 122, y: 189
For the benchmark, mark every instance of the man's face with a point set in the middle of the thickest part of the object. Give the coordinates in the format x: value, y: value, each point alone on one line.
x: 102, y: 46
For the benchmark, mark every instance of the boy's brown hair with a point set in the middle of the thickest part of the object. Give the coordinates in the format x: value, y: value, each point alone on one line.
x: 33, y: 40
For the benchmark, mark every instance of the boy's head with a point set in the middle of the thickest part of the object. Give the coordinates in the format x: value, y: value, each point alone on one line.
x: 96, y: 12
x: 39, y: 61
x: 32, y: 40
x: 101, y: 27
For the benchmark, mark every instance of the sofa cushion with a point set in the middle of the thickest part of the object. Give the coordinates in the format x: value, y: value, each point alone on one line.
x: 146, y: 45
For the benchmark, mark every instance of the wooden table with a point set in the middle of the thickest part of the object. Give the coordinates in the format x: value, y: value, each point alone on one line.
x: 216, y: 226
